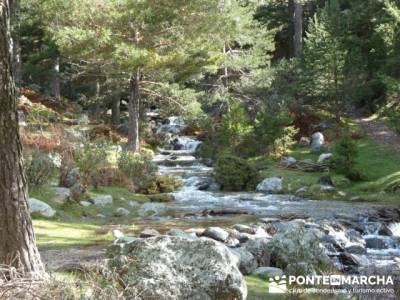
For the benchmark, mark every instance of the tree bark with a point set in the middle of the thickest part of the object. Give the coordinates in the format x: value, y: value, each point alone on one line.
x: 16, y: 45
x: 134, y: 113
x: 115, y: 109
x: 17, y: 240
x: 296, y: 30
x: 55, y: 80
x: 97, y: 101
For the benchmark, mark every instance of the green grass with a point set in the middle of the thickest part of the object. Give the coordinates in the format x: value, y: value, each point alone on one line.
x: 257, y: 289
x: 56, y: 234
x: 42, y: 193
x: 380, y: 167
x: 118, y: 194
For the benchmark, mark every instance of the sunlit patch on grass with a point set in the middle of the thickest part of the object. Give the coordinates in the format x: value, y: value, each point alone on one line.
x: 54, y: 234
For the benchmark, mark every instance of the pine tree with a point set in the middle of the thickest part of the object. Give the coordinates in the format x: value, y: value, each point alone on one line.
x: 324, y: 59
x: 18, y: 247
x: 146, y: 42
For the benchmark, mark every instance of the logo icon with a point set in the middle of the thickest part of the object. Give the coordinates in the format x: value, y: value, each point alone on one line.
x: 277, y: 285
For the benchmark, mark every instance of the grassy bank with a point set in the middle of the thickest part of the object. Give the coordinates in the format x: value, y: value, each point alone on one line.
x: 379, y: 166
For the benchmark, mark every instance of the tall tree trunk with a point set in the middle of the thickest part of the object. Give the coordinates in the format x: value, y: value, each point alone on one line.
x: 97, y: 101
x: 55, y: 79
x: 17, y: 63
x: 16, y: 45
x: 17, y: 240
x: 115, y: 108
x: 296, y: 28
x: 134, y: 113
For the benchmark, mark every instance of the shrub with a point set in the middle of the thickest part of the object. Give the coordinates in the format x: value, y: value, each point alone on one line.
x: 235, y: 127
x: 90, y: 159
x: 273, y: 132
x: 344, y: 158
x: 111, y: 176
x: 39, y: 168
x: 138, y: 168
x: 283, y: 144
x: 38, y: 113
x: 393, y: 118
x: 161, y: 184
x: 234, y: 173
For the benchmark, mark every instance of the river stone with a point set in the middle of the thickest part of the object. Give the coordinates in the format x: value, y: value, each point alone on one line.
x: 378, y: 242
x: 149, y: 232
x: 326, y: 188
x: 242, y: 237
x: 77, y: 191
x: 338, y: 244
x: 288, y: 162
x: 122, y: 212
x: 69, y: 176
x: 267, y: 272
x: 152, y: 209
x: 385, y: 230
x: 354, y: 236
x: 350, y: 259
x: 102, y: 200
x: 85, y: 203
x: 324, y: 158
x: 134, y: 204
x: 175, y: 268
x: 216, y: 233
x: 270, y: 185
x: 181, y: 233
x: 304, y: 141
x: 247, y: 262
x: 232, y: 242
x: 259, y: 249
x: 317, y: 141
x: 40, y: 208
x: 301, y: 191
x: 356, y: 249
x: 244, y: 228
x: 61, y: 194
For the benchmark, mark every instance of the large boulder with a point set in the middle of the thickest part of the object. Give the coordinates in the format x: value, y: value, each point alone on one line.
x: 298, y: 246
x: 152, y: 209
x: 167, y: 267
x: 102, y: 200
x: 121, y: 212
x: 270, y: 185
x: 247, y: 262
x: 40, y: 208
x: 61, y: 194
x: 149, y: 232
x: 259, y: 249
x: 325, y: 158
x: 288, y: 162
x: 69, y: 176
x: 317, y: 141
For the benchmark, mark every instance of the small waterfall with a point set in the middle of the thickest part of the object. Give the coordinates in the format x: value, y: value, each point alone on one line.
x: 189, y: 143
x: 172, y: 125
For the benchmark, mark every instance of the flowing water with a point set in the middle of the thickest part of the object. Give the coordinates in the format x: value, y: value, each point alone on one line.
x: 199, y: 203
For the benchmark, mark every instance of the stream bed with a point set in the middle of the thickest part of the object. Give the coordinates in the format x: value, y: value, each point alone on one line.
x: 358, y: 239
